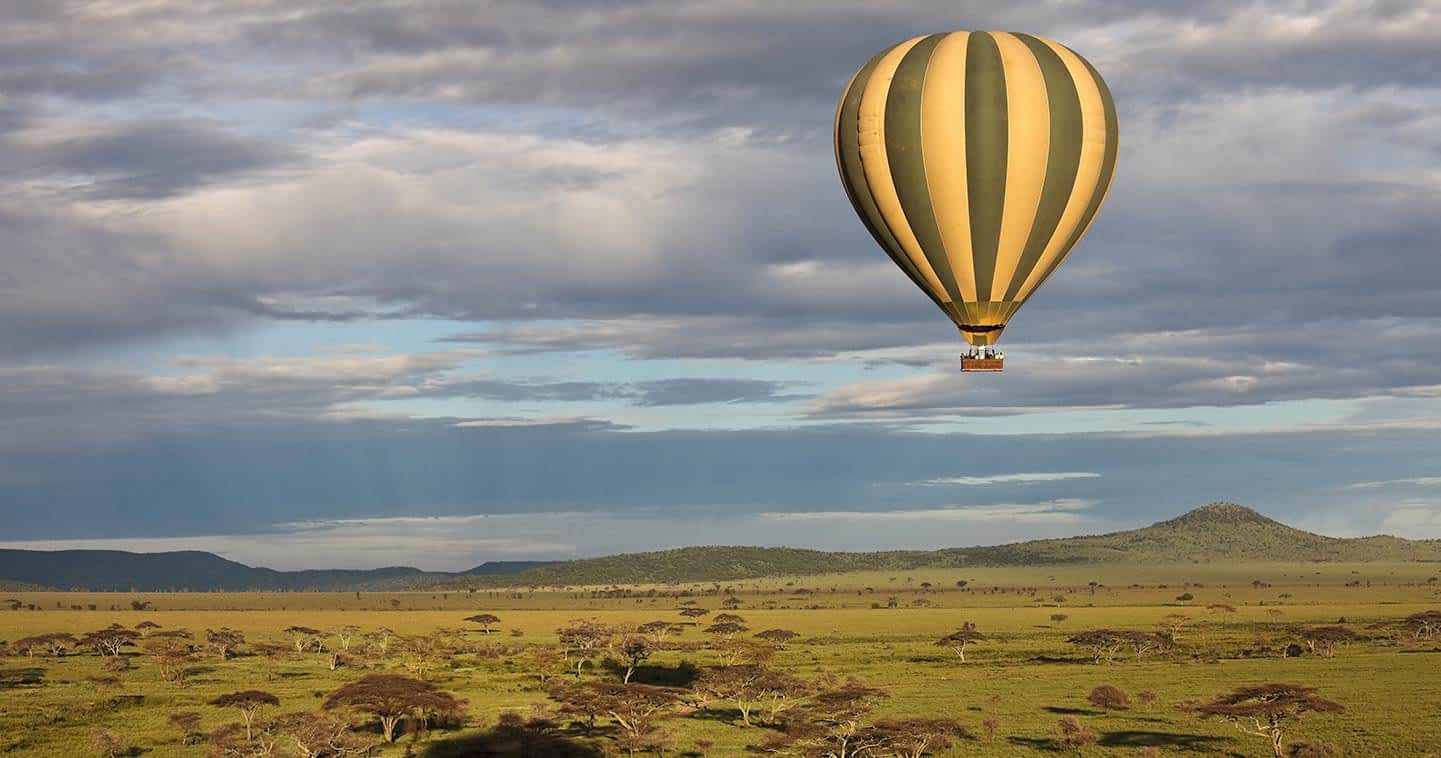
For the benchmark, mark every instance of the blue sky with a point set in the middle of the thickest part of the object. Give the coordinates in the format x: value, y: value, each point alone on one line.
x: 432, y: 283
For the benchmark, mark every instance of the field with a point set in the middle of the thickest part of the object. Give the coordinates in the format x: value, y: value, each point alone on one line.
x: 879, y: 626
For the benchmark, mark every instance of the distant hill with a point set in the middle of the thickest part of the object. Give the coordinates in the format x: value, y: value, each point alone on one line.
x: 193, y: 570
x: 1216, y: 532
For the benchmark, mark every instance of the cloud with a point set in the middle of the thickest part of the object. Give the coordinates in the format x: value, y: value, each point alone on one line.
x: 1025, y: 478
x: 1058, y: 511
x: 1417, y: 481
x: 653, y: 393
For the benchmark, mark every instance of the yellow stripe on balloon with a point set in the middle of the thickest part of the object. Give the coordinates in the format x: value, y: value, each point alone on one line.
x: 1088, y: 175
x: 872, y: 145
x: 943, y: 143
x: 1028, y: 123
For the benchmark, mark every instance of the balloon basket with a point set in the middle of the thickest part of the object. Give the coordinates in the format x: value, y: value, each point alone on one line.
x: 982, y: 363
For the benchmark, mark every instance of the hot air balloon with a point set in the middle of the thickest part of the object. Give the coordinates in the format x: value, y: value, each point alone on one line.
x: 977, y: 160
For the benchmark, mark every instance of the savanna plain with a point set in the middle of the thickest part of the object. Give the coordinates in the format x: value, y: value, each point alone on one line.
x: 1117, y: 659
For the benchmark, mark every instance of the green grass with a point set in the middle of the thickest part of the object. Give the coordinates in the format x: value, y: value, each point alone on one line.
x: 1026, y: 676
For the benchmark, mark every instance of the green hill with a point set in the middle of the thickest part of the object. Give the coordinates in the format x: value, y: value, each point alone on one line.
x: 119, y: 571
x: 1216, y: 532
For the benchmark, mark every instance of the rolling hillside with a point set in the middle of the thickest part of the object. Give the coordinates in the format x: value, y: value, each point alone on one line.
x: 1216, y: 532
x: 117, y: 570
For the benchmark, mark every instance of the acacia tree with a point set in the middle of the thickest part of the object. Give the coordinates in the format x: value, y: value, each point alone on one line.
x: 959, y: 639
x: 1071, y: 734
x: 391, y: 697
x: 171, y: 656
x: 636, y: 650
x: 693, y: 614
x: 582, y: 640
x: 726, y: 629
x: 1224, y: 610
x: 1324, y: 640
x: 635, y: 709
x: 52, y: 644
x: 224, y: 641
x: 1424, y: 625
x: 345, y: 634
x: 658, y: 630
x: 1266, y: 710
x: 110, y: 642
x: 304, y: 637
x: 1172, y: 623
x: 1103, y: 644
x: 249, y: 703
x: 188, y: 722
x: 321, y: 735
x: 915, y: 737
x: 833, y: 722
x: 777, y: 637
x: 485, y: 620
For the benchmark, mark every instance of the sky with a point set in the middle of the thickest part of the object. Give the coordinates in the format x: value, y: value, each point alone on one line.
x: 435, y: 282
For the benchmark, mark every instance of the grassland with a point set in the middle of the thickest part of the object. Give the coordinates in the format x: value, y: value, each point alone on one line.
x: 878, y: 625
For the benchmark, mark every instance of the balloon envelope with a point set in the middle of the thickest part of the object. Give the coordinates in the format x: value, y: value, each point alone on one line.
x: 977, y: 160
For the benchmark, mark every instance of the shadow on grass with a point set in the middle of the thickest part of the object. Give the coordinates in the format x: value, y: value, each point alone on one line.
x: 1062, y: 659
x: 513, y: 742
x: 1194, y: 743
x: 682, y: 674
x: 1072, y: 711
x: 1044, y: 744
x: 21, y: 677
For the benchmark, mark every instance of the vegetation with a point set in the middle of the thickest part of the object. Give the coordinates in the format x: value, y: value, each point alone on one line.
x: 841, y: 663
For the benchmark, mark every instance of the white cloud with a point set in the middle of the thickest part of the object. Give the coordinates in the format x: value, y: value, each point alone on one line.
x: 1419, y: 481
x: 1053, y: 511
x: 1025, y: 478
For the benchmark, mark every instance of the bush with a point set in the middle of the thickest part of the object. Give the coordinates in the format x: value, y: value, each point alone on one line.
x: 1109, y: 697
x: 1071, y: 734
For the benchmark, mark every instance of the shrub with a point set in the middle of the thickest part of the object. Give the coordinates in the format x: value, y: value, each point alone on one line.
x: 1109, y: 697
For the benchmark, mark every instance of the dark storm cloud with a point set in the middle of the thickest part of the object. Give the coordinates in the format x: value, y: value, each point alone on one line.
x: 236, y: 478
x: 156, y: 159
x: 676, y: 194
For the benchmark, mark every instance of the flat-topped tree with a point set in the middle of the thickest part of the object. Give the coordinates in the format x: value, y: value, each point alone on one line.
x: 693, y: 614
x: 959, y: 639
x: 726, y: 629
x: 1325, y: 640
x: 249, y: 703
x: 777, y: 637
x: 1424, y: 625
x: 224, y: 641
x: 321, y: 735
x: 391, y: 697
x: 485, y: 620
x: 110, y: 641
x: 916, y: 737
x: 302, y: 637
x: 1103, y: 644
x: 52, y: 644
x: 727, y: 618
x: 658, y: 630
x: 636, y: 650
x: 1266, y: 710
x: 582, y: 639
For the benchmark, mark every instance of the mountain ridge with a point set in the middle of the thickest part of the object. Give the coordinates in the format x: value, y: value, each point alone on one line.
x: 200, y: 571
x: 1219, y: 531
